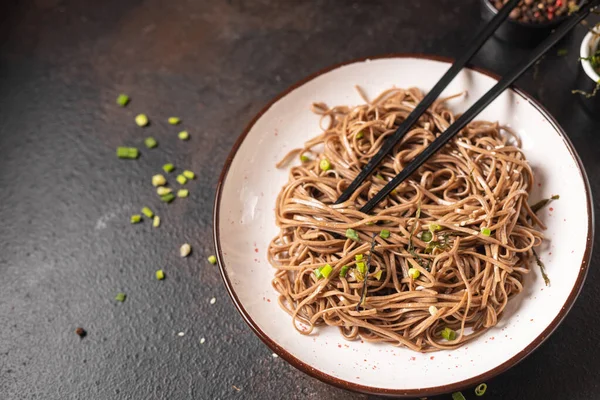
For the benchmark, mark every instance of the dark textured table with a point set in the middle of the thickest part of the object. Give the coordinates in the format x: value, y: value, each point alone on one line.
x: 66, y: 244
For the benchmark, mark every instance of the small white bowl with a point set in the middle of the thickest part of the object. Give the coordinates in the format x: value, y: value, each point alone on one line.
x: 244, y: 223
x: 589, y: 45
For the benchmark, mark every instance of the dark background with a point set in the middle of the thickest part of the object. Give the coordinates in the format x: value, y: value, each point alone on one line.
x: 66, y: 245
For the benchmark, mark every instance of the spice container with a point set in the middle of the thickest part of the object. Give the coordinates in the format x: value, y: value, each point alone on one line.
x: 588, y: 78
x: 531, y: 21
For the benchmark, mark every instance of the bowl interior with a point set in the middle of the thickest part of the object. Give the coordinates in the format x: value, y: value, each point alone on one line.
x: 245, y: 224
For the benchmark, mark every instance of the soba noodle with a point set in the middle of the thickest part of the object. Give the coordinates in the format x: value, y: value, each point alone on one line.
x: 461, y: 232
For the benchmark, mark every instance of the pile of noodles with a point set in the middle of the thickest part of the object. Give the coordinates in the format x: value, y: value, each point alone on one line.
x: 479, y: 183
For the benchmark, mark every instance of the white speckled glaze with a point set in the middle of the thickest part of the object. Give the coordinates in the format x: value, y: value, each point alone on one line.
x: 245, y: 223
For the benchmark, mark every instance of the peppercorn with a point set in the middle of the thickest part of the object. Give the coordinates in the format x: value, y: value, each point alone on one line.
x: 81, y: 332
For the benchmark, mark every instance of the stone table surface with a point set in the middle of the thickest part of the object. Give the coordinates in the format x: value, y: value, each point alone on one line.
x: 66, y: 244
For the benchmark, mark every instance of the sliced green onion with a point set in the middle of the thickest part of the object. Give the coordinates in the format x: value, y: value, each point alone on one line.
x: 161, y: 190
x: 304, y: 158
x: 351, y: 234
x: 360, y: 135
x: 141, y: 120
x: 167, y: 198
x: 122, y: 100
x: 150, y: 142
x: 433, y: 310
x: 136, y: 218
x: 168, y: 167
x: 414, y: 273
x: 359, y: 257
x: 394, y: 192
x: 480, y: 389
x: 344, y: 270
x: 325, y: 165
x: 185, y: 250
x: 181, y: 179
x: 156, y: 221
x: 212, y: 260
x: 486, y: 231
x: 426, y: 236
x: 326, y: 270
x: 160, y: 275
x: 318, y: 273
x: 458, y: 396
x: 183, y: 193
x: 147, y: 212
x: 378, y: 176
x: 158, y: 180
x: 120, y: 297
x: 189, y: 174
x: 384, y: 233
x: 183, y: 135
x: 435, y: 227
x: 448, y: 334
x: 128, y: 152
x: 377, y: 275
x: 361, y: 267
x: 174, y: 120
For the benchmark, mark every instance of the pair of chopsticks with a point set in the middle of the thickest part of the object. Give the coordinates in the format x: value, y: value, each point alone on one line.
x: 464, y: 119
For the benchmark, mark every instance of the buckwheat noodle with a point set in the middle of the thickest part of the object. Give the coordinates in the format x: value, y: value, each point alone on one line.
x: 476, y: 185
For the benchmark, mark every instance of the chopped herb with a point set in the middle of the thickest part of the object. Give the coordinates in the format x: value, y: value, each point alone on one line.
x: 160, y: 275
x: 351, y: 234
x: 344, y: 271
x: 212, y: 260
x: 128, y: 152
x: 167, y: 198
x: 486, y: 231
x: 147, y: 212
x: 141, y: 120
x: 120, y: 297
x: 448, y: 334
x: 543, y: 203
x: 185, y: 250
x: 458, y: 396
x: 158, y: 180
x: 156, y: 221
x: 542, y: 268
x: 480, y: 389
x: 586, y: 94
x: 435, y: 227
x: 414, y: 273
x: 427, y: 236
x: 168, y: 167
x: 358, y: 257
x: 150, y: 142
x: 181, y: 179
x: 384, y: 233
x: 183, y: 135
x: 360, y: 135
x: 189, y: 174
x: 562, y: 52
x: 183, y: 193
x: 325, y: 165
x: 161, y: 190
x: 377, y: 275
x: 304, y: 158
x: 122, y: 100
x: 136, y: 218
x: 174, y: 120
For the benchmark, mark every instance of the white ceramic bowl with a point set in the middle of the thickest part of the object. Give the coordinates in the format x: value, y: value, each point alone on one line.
x: 589, y: 45
x: 244, y: 224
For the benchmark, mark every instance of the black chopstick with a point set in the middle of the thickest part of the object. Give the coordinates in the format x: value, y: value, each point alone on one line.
x: 483, y: 102
x: 480, y: 38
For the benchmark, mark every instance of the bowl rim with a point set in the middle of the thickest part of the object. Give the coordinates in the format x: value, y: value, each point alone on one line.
x: 534, y: 25
x: 343, y: 384
x: 585, y: 50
